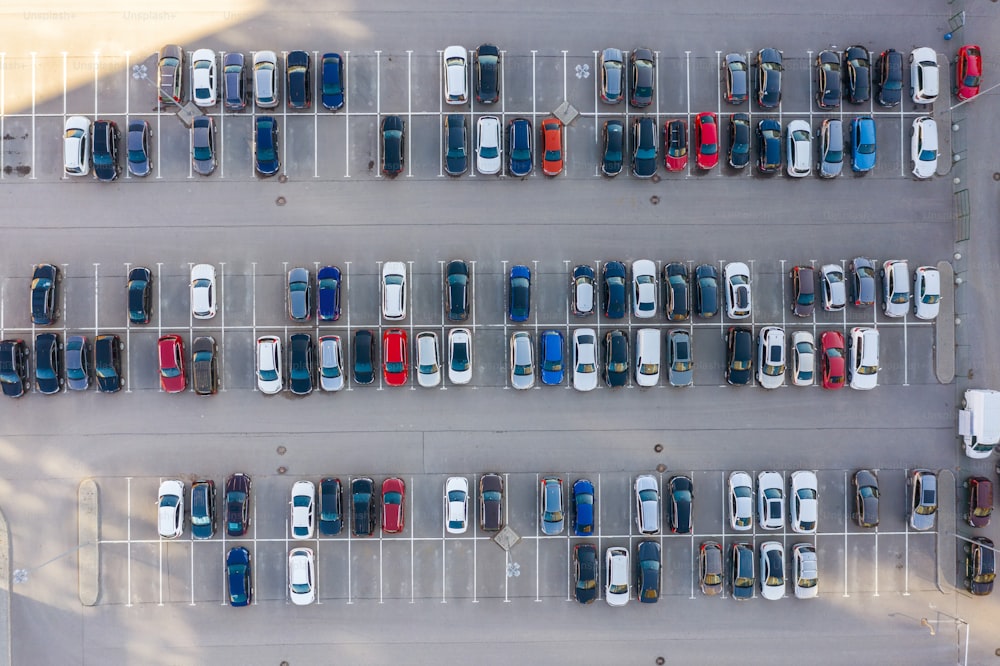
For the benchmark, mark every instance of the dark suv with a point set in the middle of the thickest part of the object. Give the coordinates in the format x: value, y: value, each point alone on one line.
x: 140, y: 295
x: 615, y: 358
x: 458, y: 290
x: 108, y: 363
x: 300, y: 363
x: 491, y: 502
x: 238, y: 488
x: 105, y: 144
x: 456, y: 159
x: 487, y: 74
x: 298, y: 70
x: 739, y: 368
x: 330, y: 513
x: 13, y: 367
x: 889, y: 71
x: 364, y: 509
x: 44, y: 288
x: 204, y: 367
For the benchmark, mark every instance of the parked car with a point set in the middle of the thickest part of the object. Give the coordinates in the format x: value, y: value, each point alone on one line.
x: 522, y: 363
x: 457, y: 290
x: 238, y: 489
x: 924, y: 76
x: 170, y: 74
x: 862, y: 271
x: 613, y: 155
x: 862, y: 371
x: 769, y: 68
x: 675, y: 145
x: 771, y: 357
x: 301, y: 370
x: 770, y: 501
x: 583, y: 508
x: 77, y: 363
x: 585, y: 572
x: 299, y: 294
x: 364, y: 357
x: 137, y: 144
x: 519, y: 151
x: 980, y: 566
x: 234, y: 77
x: 489, y: 145
x: 491, y: 502
x: 828, y: 80
x: 519, y: 293
x: 614, y: 294
x: 616, y: 576
x: 108, y: 363
x: 328, y: 281
x: 331, y: 515
x: 804, y: 502
x: 710, y: 568
x: 105, y: 143
x: 459, y: 356
x: 863, y: 144
x: 834, y: 287
x: 204, y: 365
x: 798, y: 138
x: 393, y: 496
x: 428, y: 359
x: 980, y: 504
x: 680, y: 358
x: 584, y: 359
x: 922, y: 485
x: 612, y: 76
x: 644, y: 140
x: 393, y: 145
x: 647, y: 504
x: 738, y: 298
x: 857, y: 63
x: 803, y: 290
x: 647, y: 357
x: 768, y: 146
x: 551, y: 498
x: 239, y: 577
x: 265, y: 146
x: 393, y: 290
x: 615, y: 358
x: 924, y: 147
x: 456, y: 505
x: 456, y: 158
x: 889, y: 70
x: 270, y: 378
x: 203, y: 145
x: 303, y: 509
x: 831, y: 148
x: 487, y: 76
x: 647, y: 572
x: 170, y: 351
x: 170, y: 509
x: 895, y: 276
x: 395, y: 357
x: 363, y: 507
x: 736, y: 73
x: 265, y: 79
x: 44, y: 293
x: 741, y: 577
x: 803, y: 348
x: 14, y: 367
x: 739, y: 140
x: 456, y: 75
x: 675, y: 281
x: 866, y: 495
x: 926, y: 292
x: 680, y: 508
x: 706, y: 140
x: 76, y: 146
x: 772, y: 570
x: 968, y: 71
x: 706, y: 290
x: 740, y: 501
x: 139, y: 295
x: 203, y: 88
x: 298, y: 75
x: 806, y: 571
x: 550, y: 351
x: 331, y: 363
x: 643, y: 288
x: 582, y: 287
x: 739, y: 366
x: 552, y: 151
x: 301, y: 576
x: 332, y: 89
x: 643, y: 77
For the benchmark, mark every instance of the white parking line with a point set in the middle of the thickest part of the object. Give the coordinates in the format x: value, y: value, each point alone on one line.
x: 316, y: 104
x: 222, y: 126
x: 33, y: 99
x: 378, y: 114
x: 128, y: 534
x: 284, y: 122
x: 222, y: 314
x: 347, y: 116
x: 255, y: 598
x: 906, y: 541
x: 3, y: 100
x: 348, y: 375
x: 128, y: 73
x: 847, y: 514
x: 534, y: 104
x: 253, y: 300
x: 538, y: 499
x: 128, y: 338
x: 97, y: 295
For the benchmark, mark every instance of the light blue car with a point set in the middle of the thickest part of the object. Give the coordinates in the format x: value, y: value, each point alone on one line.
x: 862, y: 144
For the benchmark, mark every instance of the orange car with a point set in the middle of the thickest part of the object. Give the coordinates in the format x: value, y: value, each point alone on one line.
x: 552, y: 153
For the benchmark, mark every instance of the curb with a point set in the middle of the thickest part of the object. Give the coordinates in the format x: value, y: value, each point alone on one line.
x: 88, y: 554
x: 5, y: 591
x: 944, y: 327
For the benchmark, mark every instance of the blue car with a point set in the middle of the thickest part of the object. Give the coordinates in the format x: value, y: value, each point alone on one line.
x: 615, y: 296
x: 265, y: 146
x: 863, y: 144
x: 519, y: 147
x: 583, y: 508
x: 240, y: 576
x: 328, y: 288
x: 332, y: 81
x: 520, y: 293
x: 551, y: 351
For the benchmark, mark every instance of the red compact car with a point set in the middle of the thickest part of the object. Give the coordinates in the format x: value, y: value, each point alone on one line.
x: 832, y: 359
x: 395, y: 361
x: 706, y: 140
x: 675, y: 145
x: 968, y: 71
x: 552, y: 157
x: 172, y: 377
x: 393, y: 494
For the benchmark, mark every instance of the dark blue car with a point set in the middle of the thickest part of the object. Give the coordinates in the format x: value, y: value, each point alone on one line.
x: 332, y: 81
x: 647, y: 572
x: 137, y: 145
x: 520, y: 293
x: 44, y: 283
x: 331, y: 517
x: 265, y: 146
x: 583, y: 508
x: 328, y: 288
x: 298, y: 70
x: 240, y: 576
x: 519, y: 147
x: 48, y: 365
x: 551, y: 351
x: 862, y: 144
x: 613, y: 284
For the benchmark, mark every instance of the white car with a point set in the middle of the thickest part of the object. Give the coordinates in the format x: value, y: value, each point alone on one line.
x: 303, y: 508
x: 428, y: 360
x: 738, y: 298
x: 643, y: 288
x: 394, y: 290
x: 770, y: 500
x: 301, y: 576
x: 924, y: 147
x: 647, y: 504
x: 806, y: 571
x: 740, y: 501
x: 456, y: 504
x: 924, y: 75
x: 834, y: 287
x: 522, y: 364
x: 456, y: 76
x: 798, y: 138
x: 269, y: 375
x: 459, y: 356
x: 803, y: 346
x: 772, y: 570
x: 203, y: 291
x: 203, y: 77
x: 616, y: 576
x: 76, y: 146
x: 170, y: 509
x: 804, y: 502
x: 265, y: 79
x: 895, y: 288
x: 647, y: 357
x: 489, y: 145
x: 584, y: 359
x: 771, y: 357
x: 926, y: 292
x: 331, y: 363
x: 862, y: 368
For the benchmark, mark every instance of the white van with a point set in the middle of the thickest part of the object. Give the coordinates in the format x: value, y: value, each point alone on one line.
x: 647, y: 357
x: 979, y: 422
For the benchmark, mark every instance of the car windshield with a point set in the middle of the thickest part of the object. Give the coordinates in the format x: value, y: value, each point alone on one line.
x: 171, y: 372
x: 900, y: 297
x: 460, y: 357
x: 328, y: 283
x: 649, y: 369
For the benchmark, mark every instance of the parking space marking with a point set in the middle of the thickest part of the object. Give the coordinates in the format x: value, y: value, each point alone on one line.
x: 687, y: 99
x: 222, y: 314
x: 128, y: 534
x: 222, y: 123
x: 847, y: 513
x: 412, y: 341
x: 906, y: 546
x: 255, y: 599
x: 128, y: 70
x: 284, y: 123
x: 347, y: 286
x: 316, y: 105
x: 534, y: 103
x: 538, y: 501
x: 3, y: 99
x: 33, y: 115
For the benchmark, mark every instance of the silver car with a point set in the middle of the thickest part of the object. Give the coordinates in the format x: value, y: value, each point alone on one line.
x: 770, y: 500
x: 522, y: 365
x: 680, y: 360
x: 922, y: 485
x: 834, y: 287
x: 331, y: 363
x: 265, y: 79
x: 647, y: 504
x: 803, y: 347
x: 895, y: 288
x: 831, y: 148
x: 428, y: 360
x: 740, y: 501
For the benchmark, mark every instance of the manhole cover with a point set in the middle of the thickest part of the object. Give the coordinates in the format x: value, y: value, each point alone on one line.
x: 282, y: 470
x: 654, y: 199
x: 282, y: 178
x: 661, y: 468
x: 506, y: 538
x: 655, y: 178
x: 280, y: 201
x: 658, y: 448
x: 281, y: 450
x: 996, y: 174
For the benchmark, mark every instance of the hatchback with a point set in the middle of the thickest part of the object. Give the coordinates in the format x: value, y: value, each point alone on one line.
x: 137, y: 145
x: 866, y: 498
x: 490, y: 502
x: 234, y: 77
x: 740, y: 501
x: 857, y: 63
x: 428, y: 359
x: 643, y: 76
x: 614, y: 292
x: 204, y: 365
x: 332, y: 90
x: 710, y: 568
x: 680, y: 507
x: 395, y: 357
x: 798, y: 138
x: 803, y: 348
x: 643, y: 288
x: 924, y: 75
x: 647, y: 357
x: 298, y: 75
x: 980, y: 504
x: 105, y: 142
x: 456, y: 75
x: 265, y: 146
x: 804, y: 502
x: 328, y: 281
x: 301, y: 576
x: 862, y: 272
x: 76, y: 146
x: 806, y: 571
x: 647, y: 501
x: 552, y: 151
x: 331, y: 363
x: 269, y: 372
x: 768, y: 146
x: 926, y: 292
x: 582, y: 288
x: 170, y: 74
x: 739, y: 366
x: 584, y: 359
x: 237, y: 498
x: 489, y: 146
x: 299, y: 294
x: 613, y: 154
x: 803, y: 290
x: 331, y: 516
x: 170, y: 509
x: 615, y: 358
x: 647, y: 572
x: 863, y: 145
x: 519, y: 153
x: 737, y: 78
x: 550, y: 349
x: 302, y: 506
x: 203, y: 145
x: 139, y: 295
x: 968, y: 71
x: 456, y: 159
x: 170, y: 350
x: 889, y: 73
x: 738, y: 297
x: 393, y: 288
x: 741, y: 577
x: 363, y: 507
x: 680, y: 359
x: 393, y: 145
x: 457, y: 290
x: 924, y: 147
x: 675, y: 281
x: 675, y: 145
x: 771, y: 357
x: 551, y: 510
x: 364, y: 357
x: 519, y: 293
x: 770, y: 501
x: 772, y: 570
x: 203, y: 509
x: 265, y: 79
x: 77, y: 363
x: 706, y: 140
x: 584, y: 512
x: 487, y: 74
x: 612, y: 76
x: 616, y: 576
x: 831, y: 148
x: 862, y: 370
x: 834, y: 287
x: 922, y: 486
x: 108, y: 363
x: 706, y: 290
x: 456, y: 505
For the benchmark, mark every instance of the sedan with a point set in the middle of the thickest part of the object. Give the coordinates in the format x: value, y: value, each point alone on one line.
x: 300, y: 363
x: 804, y: 504
x: 798, y: 137
x: 456, y: 505
x: 583, y: 508
x: 772, y: 570
x: 710, y: 568
x: 675, y: 148
x: 394, y: 290
x: 298, y: 79
x: 237, y: 498
x: 299, y: 294
x: 395, y: 357
x: 862, y: 272
x: 803, y: 346
x: 269, y: 373
x: 924, y: 75
x: 393, y: 514
x: 519, y: 293
x: 612, y: 76
x: 680, y: 507
x: 550, y: 349
x: 519, y: 160
x: 866, y: 498
x: 643, y: 76
x: 204, y: 365
x: 771, y: 357
x: 706, y: 140
x: 680, y: 359
x: 889, y: 71
x: 456, y: 75
x: 490, y: 502
x: 647, y: 572
x: 139, y: 295
x: 170, y: 73
x: 108, y: 363
x: 643, y: 288
x: 616, y: 576
x: 863, y: 146
x: 459, y: 356
x: 105, y: 140
x: 265, y: 79
x: 170, y: 509
x: 552, y: 151
x: 582, y: 290
x: 331, y: 516
x: 922, y: 487
x: 739, y: 364
x: 239, y: 577
x: 332, y: 90
x: 615, y: 358
x: 968, y: 71
x: 706, y: 290
x: 522, y: 364
x: 77, y: 363
x: 862, y: 371
x: 265, y: 146
x: 769, y: 68
x: 48, y: 364
x: 170, y: 351
x: 834, y: 287
x: 831, y: 148
x: 364, y: 357
x: 647, y: 504
x: 584, y: 359
x: 137, y: 145
x: 806, y: 571
x: 738, y: 297
x: 736, y: 73
x: 44, y: 292
x: 739, y: 140
x: 363, y: 503
x: 770, y: 500
x: 828, y: 80
x: 303, y: 509
x: 614, y: 293
x: 328, y: 281
x: 613, y: 154
x: 301, y: 576
x: 833, y: 360
x: 740, y: 501
x: 803, y: 290
x: 768, y: 146
x: 428, y: 360
x: 203, y: 88
x: 487, y: 74
x: 924, y: 147
x: 675, y: 279
x: 741, y: 577
x: 644, y: 141
x: 457, y: 290
x: 585, y: 572
x: 926, y: 292
x: 489, y: 146
x: 895, y: 287
x: 203, y: 145
x: 393, y: 145
x: 234, y: 77
x: 456, y: 158
x: 857, y: 76
x: 76, y: 146
x: 551, y: 509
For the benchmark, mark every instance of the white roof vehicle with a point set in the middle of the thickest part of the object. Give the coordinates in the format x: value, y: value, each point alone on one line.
x: 643, y: 288
x: 265, y: 79
x: 803, y: 347
x: 203, y: 77
x: 924, y: 75
x: 647, y: 357
x: 303, y: 509
x: 926, y: 292
x: 740, y: 501
x: 428, y: 361
x: 203, y: 291
x: 834, y: 287
x: 772, y: 570
x: 799, y: 139
x: 616, y: 576
x: 862, y: 369
x: 738, y: 297
x: 924, y: 147
x: 170, y: 509
x: 301, y: 576
x: 806, y: 571
x: 76, y: 146
x: 771, y: 357
x: 459, y: 356
x: 456, y: 504
x: 456, y: 78
x: 489, y: 145
x: 394, y: 290
x: 895, y: 288
x: 804, y: 502
x: 331, y: 363
x: 584, y: 359
x: 269, y: 375
x: 979, y: 422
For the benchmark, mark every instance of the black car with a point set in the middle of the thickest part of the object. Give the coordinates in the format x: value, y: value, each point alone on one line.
x: 644, y: 140
x: 105, y: 142
x: 364, y: 357
x: 647, y: 572
x: 643, y: 70
x: 679, y: 508
x: 491, y: 502
x: 769, y: 68
x: 741, y: 579
x: 857, y: 65
x: 866, y: 498
x: 769, y: 146
x: 239, y: 576
x: 298, y: 71
x: 828, y: 80
x: 48, y: 363
x: 706, y: 290
x: 331, y: 518
x: 393, y: 147
x: 300, y: 363
x: 108, y: 363
x: 889, y: 70
x: 234, y: 77
x: 613, y: 290
x: 675, y: 281
x: 332, y: 81
x: 980, y: 566
x: 456, y: 158
x: 203, y: 145
x: 519, y: 147
x: 44, y: 290
x: 614, y: 148
x: 265, y: 146
x: 204, y: 366
x: 739, y: 140
x: 14, y: 367
x: 615, y: 358
x: 238, y: 488
x: 137, y: 144
x: 585, y: 572
x: 203, y: 509
x: 365, y: 511
x: 739, y: 367
x: 487, y: 74
x: 458, y: 290
x: 139, y: 295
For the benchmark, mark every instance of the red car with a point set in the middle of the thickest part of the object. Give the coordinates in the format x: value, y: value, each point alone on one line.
x: 552, y: 157
x: 706, y: 140
x: 395, y: 361
x: 393, y: 494
x: 968, y: 71
x: 832, y: 359
x: 171, y: 350
x: 675, y: 145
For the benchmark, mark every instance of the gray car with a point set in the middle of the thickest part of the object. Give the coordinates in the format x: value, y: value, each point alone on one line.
x: 737, y: 79
x: 203, y: 145
x: 299, y: 301
x: 831, y: 148
x: 522, y: 365
x: 862, y: 272
x: 77, y: 363
x: 612, y: 76
x: 866, y: 498
x: 331, y: 363
x: 170, y: 74
x: 643, y: 76
x: 680, y: 361
x: 922, y: 485
x: 553, y: 519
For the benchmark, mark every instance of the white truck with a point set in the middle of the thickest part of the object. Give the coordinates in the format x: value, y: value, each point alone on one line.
x: 979, y: 422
